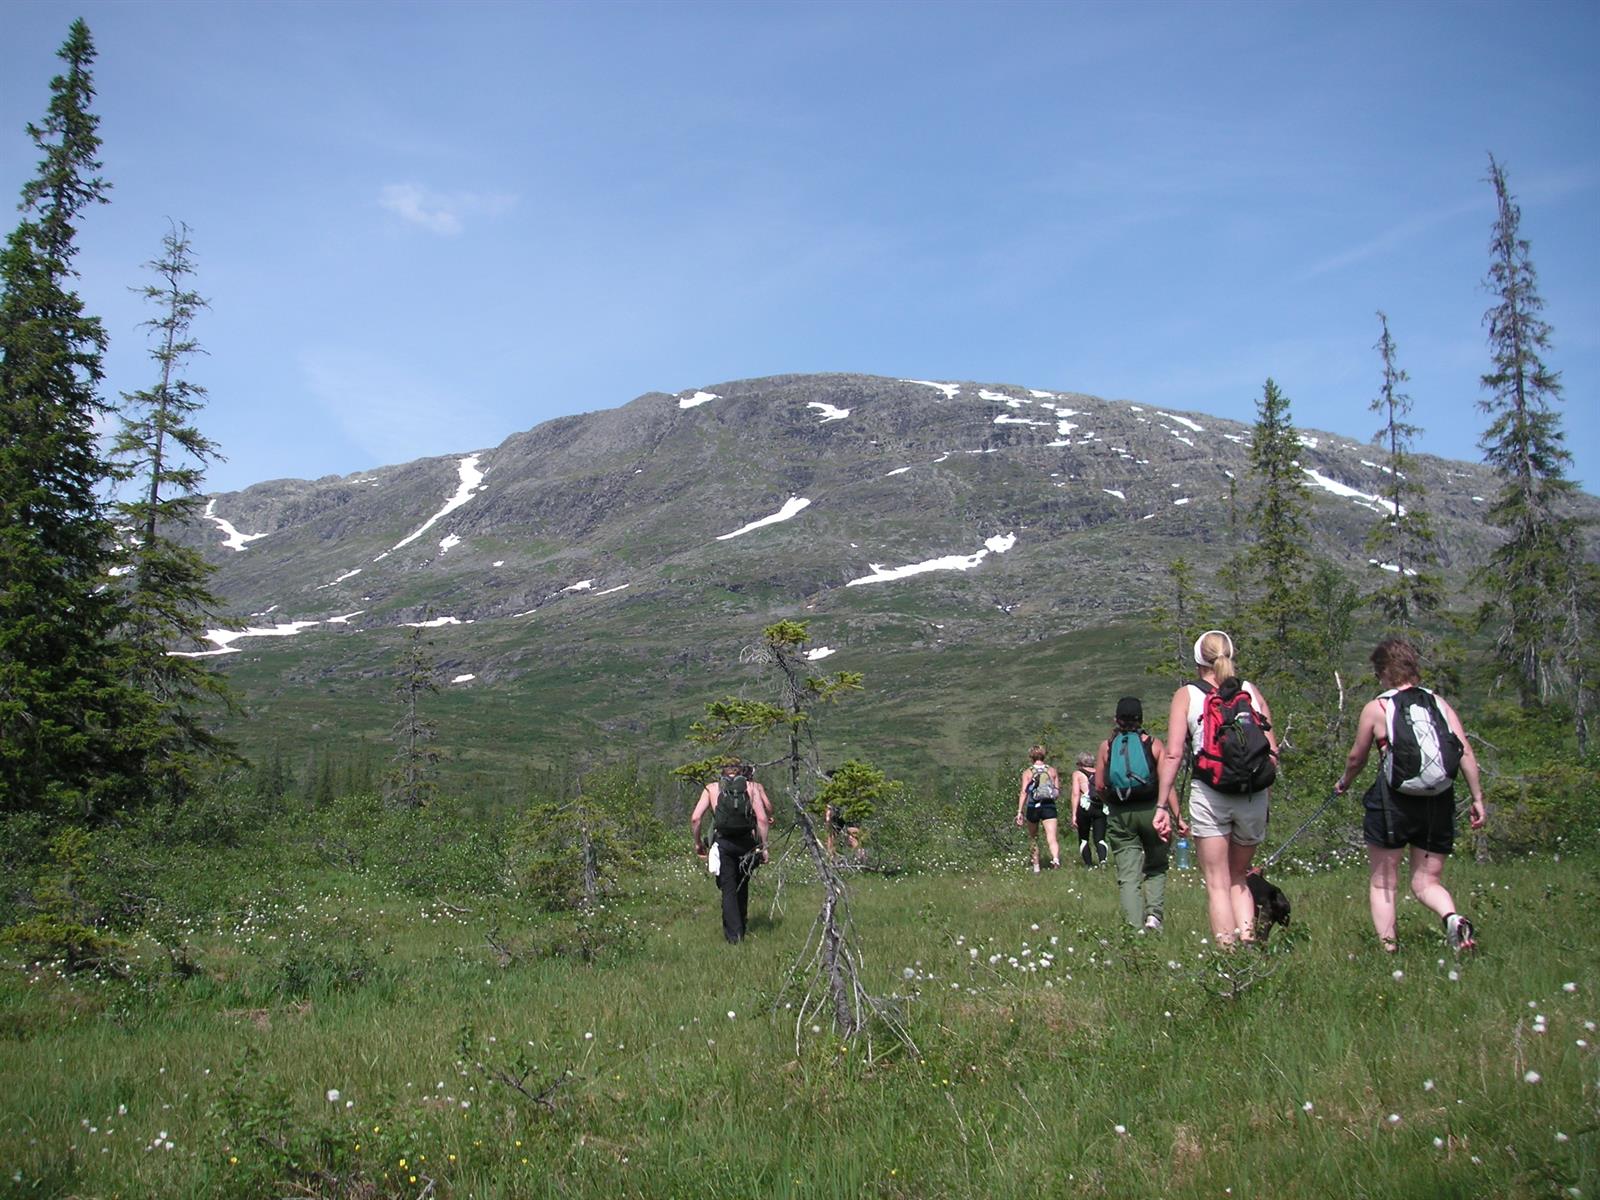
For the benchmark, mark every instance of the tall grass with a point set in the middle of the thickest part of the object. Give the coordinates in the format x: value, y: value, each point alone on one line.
x: 330, y: 1034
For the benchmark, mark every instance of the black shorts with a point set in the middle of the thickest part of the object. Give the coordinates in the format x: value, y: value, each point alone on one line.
x: 1039, y: 810
x: 1393, y: 821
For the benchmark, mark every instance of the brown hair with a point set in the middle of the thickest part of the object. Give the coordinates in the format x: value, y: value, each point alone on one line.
x: 1397, y: 662
x: 1216, y: 648
x: 1037, y: 754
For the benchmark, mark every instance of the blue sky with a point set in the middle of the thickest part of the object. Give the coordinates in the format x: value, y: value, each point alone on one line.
x: 425, y: 227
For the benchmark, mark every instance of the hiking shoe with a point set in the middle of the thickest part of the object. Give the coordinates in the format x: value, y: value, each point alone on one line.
x: 1035, y: 868
x: 1055, y: 864
x: 1458, y: 930
x: 1153, y: 923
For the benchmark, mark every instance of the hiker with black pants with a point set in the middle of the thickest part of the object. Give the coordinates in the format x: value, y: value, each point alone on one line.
x: 1088, y: 814
x: 1225, y: 721
x: 1141, y: 819
x: 739, y: 839
x: 1412, y: 803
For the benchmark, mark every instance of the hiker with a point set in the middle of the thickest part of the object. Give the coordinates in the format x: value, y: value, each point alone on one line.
x: 1088, y: 814
x: 739, y: 838
x: 1422, y: 747
x: 1036, y: 804
x: 1142, y: 818
x: 1225, y: 723
x: 838, y: 823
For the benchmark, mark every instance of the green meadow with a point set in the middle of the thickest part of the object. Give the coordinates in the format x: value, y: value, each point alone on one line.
x: 308, y: 1024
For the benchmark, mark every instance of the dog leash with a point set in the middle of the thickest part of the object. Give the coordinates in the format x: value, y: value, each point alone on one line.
x: 1306, y: 824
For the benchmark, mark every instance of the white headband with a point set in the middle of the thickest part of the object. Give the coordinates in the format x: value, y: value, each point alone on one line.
x: 1199, y: 655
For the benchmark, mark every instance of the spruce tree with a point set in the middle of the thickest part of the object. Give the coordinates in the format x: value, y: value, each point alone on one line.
x: 1280, y: 559
x: 1402, y: 541
x: 410, y: 783
x: 64, y: 710
x: 162, y: 455
x: 1534, y: 583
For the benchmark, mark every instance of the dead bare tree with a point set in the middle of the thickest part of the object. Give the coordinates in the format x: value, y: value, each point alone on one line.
x: 827, y: 976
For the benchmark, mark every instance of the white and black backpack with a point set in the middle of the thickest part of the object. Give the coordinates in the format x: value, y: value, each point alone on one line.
x: 1424, y: 753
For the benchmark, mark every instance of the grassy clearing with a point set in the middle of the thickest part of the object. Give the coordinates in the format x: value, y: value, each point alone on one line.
x: 340, y: 1039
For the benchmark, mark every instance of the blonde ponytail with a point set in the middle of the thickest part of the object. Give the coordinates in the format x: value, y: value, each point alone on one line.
x: 1214, y: 649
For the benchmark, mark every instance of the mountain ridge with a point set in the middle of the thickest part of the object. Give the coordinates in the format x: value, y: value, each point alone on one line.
x: 901, y: 517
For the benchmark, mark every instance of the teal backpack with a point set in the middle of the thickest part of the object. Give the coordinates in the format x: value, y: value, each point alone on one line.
x: 1131, y: 767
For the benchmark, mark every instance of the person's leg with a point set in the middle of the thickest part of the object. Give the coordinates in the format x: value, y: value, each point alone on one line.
x: 1051, y: 839
x: 1033, y: 843
x: 1099, y: 829
x: 1244, y: 904
x: 1085, y: 846
x: 1383, y: 878
x: 1155, y: 868
x: 728, y: 880
x: 747, y: 867
x: 1426, y: 885
x: 1127, y: 858
x: 1214, y: 869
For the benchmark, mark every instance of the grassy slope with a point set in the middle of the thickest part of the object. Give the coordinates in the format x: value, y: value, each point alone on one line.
x: 1023, y: 1080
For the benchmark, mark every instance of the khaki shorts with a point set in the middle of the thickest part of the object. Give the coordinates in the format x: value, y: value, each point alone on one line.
x: 1240, y: 819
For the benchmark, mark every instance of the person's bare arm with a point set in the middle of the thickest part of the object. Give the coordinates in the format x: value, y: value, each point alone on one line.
x: 1177, y: 738
x: 1022, y: 795
x: 1469, y: 764
x: 1167, y: 801
x: 1367, y: 730
x: 700, y: 809
x: 762, y: 826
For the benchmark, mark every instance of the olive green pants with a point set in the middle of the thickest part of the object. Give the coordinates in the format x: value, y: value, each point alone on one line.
x: 1139, y: 854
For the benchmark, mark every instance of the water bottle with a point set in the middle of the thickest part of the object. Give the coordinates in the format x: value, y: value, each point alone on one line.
x: 1183, y: 854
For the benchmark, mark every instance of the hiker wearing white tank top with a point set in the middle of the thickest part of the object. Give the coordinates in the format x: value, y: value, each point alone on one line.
x: 1228, y: 826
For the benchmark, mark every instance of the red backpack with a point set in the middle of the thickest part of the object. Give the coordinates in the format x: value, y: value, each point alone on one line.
x: 1234, y: 755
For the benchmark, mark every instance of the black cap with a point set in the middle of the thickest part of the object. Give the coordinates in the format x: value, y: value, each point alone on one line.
x: 1129, y: 708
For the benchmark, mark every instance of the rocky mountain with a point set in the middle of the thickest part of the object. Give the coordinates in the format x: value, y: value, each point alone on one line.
x: 974, y: 548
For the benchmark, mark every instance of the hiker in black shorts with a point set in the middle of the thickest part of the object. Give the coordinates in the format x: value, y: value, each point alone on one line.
x: 1412, y: 802
x: 1088, y: 814
x: 1036, y: 804
x: 739, y: 835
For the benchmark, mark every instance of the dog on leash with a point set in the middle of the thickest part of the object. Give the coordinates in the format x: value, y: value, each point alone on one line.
x: 1272, y: 906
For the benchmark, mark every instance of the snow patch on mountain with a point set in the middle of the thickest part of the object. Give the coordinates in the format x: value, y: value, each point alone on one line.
x: 828, y: 411
x: 339, y: 580
x: 791, y: 506
x: 950, y: 390
x: 223, y: 639
x: 697, y: 399
x: 235, y: 540
x: 1364, y: 499
x: 949, y: 562
x: 471, y: 479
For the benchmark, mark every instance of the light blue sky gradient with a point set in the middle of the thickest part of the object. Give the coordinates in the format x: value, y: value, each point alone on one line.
x: 424, y: 227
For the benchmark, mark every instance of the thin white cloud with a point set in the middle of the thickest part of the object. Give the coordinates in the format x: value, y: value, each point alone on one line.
x: 444, y: 213
x: 1392, y: 238
x: 388, y: 407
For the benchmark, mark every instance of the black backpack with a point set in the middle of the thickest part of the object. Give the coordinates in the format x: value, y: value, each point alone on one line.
x: 1131, y: 767
x: 734, y: 811
x: 1234, y: 755
x: 1424, y: 752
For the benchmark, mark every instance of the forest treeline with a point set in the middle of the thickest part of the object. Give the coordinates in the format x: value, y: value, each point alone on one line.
x: 109, y: 744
